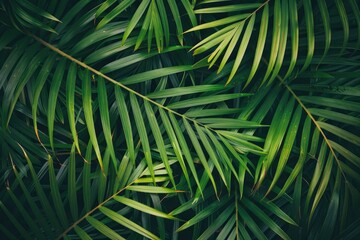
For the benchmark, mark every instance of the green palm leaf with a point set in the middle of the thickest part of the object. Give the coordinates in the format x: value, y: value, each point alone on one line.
x: 244, y: 15
x: 104, y: 137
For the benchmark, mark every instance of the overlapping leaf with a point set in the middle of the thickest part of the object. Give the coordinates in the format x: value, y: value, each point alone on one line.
x: 109, y: 138
x: 242, y: 28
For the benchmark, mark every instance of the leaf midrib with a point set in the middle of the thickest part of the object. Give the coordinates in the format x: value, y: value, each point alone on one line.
x: 297, y: 98
x: 84, y: 65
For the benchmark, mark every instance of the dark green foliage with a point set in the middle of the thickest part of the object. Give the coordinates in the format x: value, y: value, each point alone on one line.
x: 182, y: 119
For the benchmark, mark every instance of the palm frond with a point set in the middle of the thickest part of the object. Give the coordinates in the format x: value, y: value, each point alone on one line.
x: 102, y: 137
x: 238, y: 26
x: 55, y: 214
x: 152, y: 16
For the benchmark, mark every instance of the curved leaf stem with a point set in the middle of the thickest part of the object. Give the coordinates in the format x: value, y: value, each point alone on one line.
x: 97, y: 72
x: 97, y: 207
x: 312, y: 119
x: 91, y: 211
x: 256, y: 10
x: 316, y: 124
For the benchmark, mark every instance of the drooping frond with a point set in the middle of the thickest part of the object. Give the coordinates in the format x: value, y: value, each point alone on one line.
x: 153, y: 16
x: 284, y: 33
x: 103, y: 136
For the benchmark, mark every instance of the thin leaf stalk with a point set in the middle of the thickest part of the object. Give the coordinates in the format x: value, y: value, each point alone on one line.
x: 84, y: 65
x: 312, y: 119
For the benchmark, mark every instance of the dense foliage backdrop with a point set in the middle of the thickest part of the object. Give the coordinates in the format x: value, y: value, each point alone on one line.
x: 201, y: 119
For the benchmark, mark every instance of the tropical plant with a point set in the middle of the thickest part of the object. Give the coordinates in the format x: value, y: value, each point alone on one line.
x: 206, y: 119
